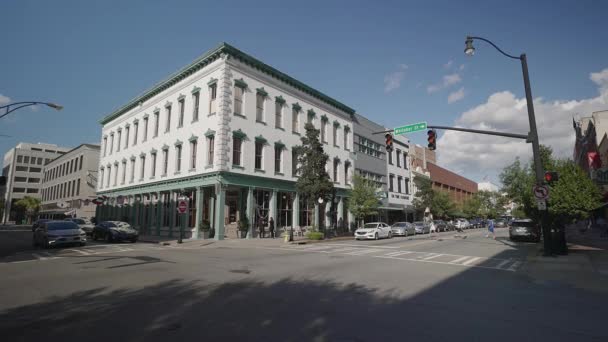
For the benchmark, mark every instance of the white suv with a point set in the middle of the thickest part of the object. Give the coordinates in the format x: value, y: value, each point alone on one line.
x: 462, y: 224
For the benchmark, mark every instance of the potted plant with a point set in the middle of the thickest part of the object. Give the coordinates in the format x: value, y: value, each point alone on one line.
x: 243, y: 226
x: 205, y: 228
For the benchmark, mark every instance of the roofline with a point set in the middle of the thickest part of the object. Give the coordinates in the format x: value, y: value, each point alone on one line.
x: 93, y: 146
x: 211, y: 56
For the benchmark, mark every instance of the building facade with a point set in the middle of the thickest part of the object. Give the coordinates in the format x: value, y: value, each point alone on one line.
x: 220, y: 133
x: 458, y: 188
x: 22, y: 168
x: 398, y: 206
x: 69, y: 184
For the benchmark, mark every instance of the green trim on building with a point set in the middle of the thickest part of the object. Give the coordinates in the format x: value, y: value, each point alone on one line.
x: 193, y: 138
x: 178, y: 143
x: 181, y: 97
x: 133, y: 157
x: 261, y: 139
x: 336, y: 123
x: 165, y: 147
x: 143, y: 154
x: 240, y: 83
x: 347, y: 128
x: 135, y: 121
x: 311, y: 113
x: 210, y: 57
x: 195, y: 90
x: 211, y: 82
x: 296, y: 106
x: 168, y: 104
x: 210, y: 133
x: 279, y: 99
x: 239, y: 134
x: 324, y: 118
x: 124, y: 160
x: 153, y: 151
x: 279, y: 144
x: 146, y: 116
x: 262, y: 91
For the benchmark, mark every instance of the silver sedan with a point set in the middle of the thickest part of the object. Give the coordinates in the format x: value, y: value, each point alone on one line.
x: 403, y: 229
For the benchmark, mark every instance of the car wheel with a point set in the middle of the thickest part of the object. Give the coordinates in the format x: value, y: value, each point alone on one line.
x: 46, y: 244
x: 109, y: 238
x: 376, y: 236
x: 94, y: 236
x: 82, y: 244
x: 406, y: 233
x: 133, y: 240
x: 390, y: 235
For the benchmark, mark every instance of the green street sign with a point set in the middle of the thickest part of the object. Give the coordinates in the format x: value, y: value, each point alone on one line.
x: 421, y: 126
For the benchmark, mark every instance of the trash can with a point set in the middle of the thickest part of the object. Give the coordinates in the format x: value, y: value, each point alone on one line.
x: 558, y: 240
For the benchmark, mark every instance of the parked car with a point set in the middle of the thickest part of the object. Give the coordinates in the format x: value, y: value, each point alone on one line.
x: 39, y: 222
x: 114, y: 231
x: 500, y: 223
x: 441, y: 226
x: 55, y: 233
x: 451, y: 225
x: 462, y: 224
x: 83, y: 224
x: 524, y: 229
x: 475, y: 223
x: 374, y: 230
x: 421, y: 227
x: 403, y: 229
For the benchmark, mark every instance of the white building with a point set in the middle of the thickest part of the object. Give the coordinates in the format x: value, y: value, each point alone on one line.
x: 69, y: 183
x: 398, y: 206
x: 23, y: 171
x: 220, y: 131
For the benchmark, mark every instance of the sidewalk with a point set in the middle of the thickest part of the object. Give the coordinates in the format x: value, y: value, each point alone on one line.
x: 265, y: 242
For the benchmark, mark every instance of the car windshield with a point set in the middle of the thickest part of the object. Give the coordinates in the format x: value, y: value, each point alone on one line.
x: 419, y: 223
x: 522, y: 224
x: 370, y: 225
x: 78, y: 221
x: 61, y: 225
x: 400, y: 224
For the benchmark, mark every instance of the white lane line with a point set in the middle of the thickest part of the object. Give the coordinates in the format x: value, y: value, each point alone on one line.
x: 432, y: 257
x: 365, y: 251
x: 459, y: 260
x: 362, y: 246
x: 514, y: 267
x: 397, y: 253
x: 315, y: 248
x: 341, y: 250
x: 503, y: 263
x: 79, y: 251
x: 470, y: 261
x: 45, y: 256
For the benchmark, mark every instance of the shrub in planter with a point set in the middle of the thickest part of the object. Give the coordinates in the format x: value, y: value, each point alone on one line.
x: 314, y: 235
x: 243, y: 226
x: 205, y: 228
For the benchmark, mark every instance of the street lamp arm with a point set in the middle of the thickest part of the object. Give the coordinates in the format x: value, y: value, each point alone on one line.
x: 26, y: 104
x: 494, y: 45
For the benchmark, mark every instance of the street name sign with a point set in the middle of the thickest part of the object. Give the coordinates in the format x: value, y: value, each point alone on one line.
x: 421, y: 126
x: 541, y: 192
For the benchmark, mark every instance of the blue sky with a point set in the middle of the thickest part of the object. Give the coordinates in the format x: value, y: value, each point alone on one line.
x: 396, y: 62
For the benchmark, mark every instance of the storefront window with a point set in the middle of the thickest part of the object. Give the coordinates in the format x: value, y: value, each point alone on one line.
x: 285, y: 205
x: 306, y: 213
x: 262, y: 206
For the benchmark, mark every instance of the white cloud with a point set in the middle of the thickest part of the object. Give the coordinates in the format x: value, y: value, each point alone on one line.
x: 461, y: 67
x: 447, y: 81
x: 393, y: 80
x: 456, y: 95
x: 4, y: 100
x: 475, y: 154
x: 448, y: 64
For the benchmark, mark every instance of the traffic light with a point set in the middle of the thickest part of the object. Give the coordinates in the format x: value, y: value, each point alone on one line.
x: 551, y: 177
x: 389, y: 142
x: 432, y: 139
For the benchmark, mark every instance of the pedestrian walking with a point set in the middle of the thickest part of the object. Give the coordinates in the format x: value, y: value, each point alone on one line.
x: 271, y: 227
x: 261, y: 228
x: 491, y: 229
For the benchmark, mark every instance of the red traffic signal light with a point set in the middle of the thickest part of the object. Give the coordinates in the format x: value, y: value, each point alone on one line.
x: 389, y: 142
x: 551, y: 177
x: 432, y: 139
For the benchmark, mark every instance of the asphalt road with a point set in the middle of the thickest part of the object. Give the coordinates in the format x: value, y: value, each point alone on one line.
x: 443, y: 288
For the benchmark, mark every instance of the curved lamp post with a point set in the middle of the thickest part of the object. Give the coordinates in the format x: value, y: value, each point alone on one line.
x: 18, y: 105
x: 533, y: 136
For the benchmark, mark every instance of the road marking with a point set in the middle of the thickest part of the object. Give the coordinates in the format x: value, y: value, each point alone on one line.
x: 432, y: 257
x: 79, y: 251
x: 470, y: 261
x: 341, y: 250
x: 364, y: 251
x: 315, y: 248
x: 397, y: 253
x: 361, y: 246
x: 459, y: 260
x: 46, y: 256
x: 514, y: 267
x: 503, y: 263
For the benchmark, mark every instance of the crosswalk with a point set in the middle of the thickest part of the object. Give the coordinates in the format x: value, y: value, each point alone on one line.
x: 501, y: 264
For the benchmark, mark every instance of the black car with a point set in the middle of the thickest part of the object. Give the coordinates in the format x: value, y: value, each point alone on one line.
x: 112, y: 231
x: 524, y: 229
x: 39, y: 223
x: 441, y: 226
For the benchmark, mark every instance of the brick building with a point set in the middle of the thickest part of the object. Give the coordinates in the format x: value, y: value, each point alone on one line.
x: 459, y: 189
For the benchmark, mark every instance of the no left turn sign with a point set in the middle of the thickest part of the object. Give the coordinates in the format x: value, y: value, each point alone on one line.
x: 541, y: 192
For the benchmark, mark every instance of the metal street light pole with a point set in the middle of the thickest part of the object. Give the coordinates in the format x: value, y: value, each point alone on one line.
x: 18, y: 105
x: 532, y: 136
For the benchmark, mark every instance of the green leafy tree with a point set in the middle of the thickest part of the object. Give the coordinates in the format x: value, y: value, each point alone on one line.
x: 313, y: 182
x: 442, y: 206
x: 574, y: 195
x: 30, y: 205
x: 472, y: 207
x: 363, y: 200
x: 424, y: 195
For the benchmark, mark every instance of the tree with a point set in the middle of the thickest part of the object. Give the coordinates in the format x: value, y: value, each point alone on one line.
x: 30, y: 205
x: 424, y: 196
x: 313, y: 182
x: 363, y: 200
x: 574, y: 195
x: 471, y: 207
x: 442, y: 206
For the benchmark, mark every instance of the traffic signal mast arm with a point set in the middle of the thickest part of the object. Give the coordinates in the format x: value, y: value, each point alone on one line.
x: 526, y: 137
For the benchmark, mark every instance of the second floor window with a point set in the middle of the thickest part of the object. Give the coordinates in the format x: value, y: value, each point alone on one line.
x: 238, y: 100
x: 105, y: 146
x: 118, y: 142
x: 165, y: 162
x: 178, y: 158
x: 193, y: 148
x: 294, y: 163
x: 390, y: 184
x: 335, y: 135
x: 399, y: 181
x: 346, y: 171
x: 123, y: 178
x: 196, y: 98
x: 336, y: 168
x: 212, y: 98
x: 259, y: 150
x: 142, y: 167
x: 398, y: 158
x: 156, y: 123
x: 153, y: 166
x: 115, y: 174
x: 132, y: 177
x: 168, y: 122
x: 135, y: 131
x: 390, y: 157
x: 111, y: 143
x: 145, y: 129
x: 346, y: 139
x: 210, y: 149
x: 259, y: 107
x: 180, y: 119
x: 237, y: 144
x: 127, y: 131
x: 323, y: 129
x: 278, y: 154
x: 295, y: 120
x: 278, y: 114
x: 405, y: 160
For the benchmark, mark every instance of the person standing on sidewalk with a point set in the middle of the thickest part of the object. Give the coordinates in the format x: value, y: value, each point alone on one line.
x: 271, y: 227
x: 491, y: 229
